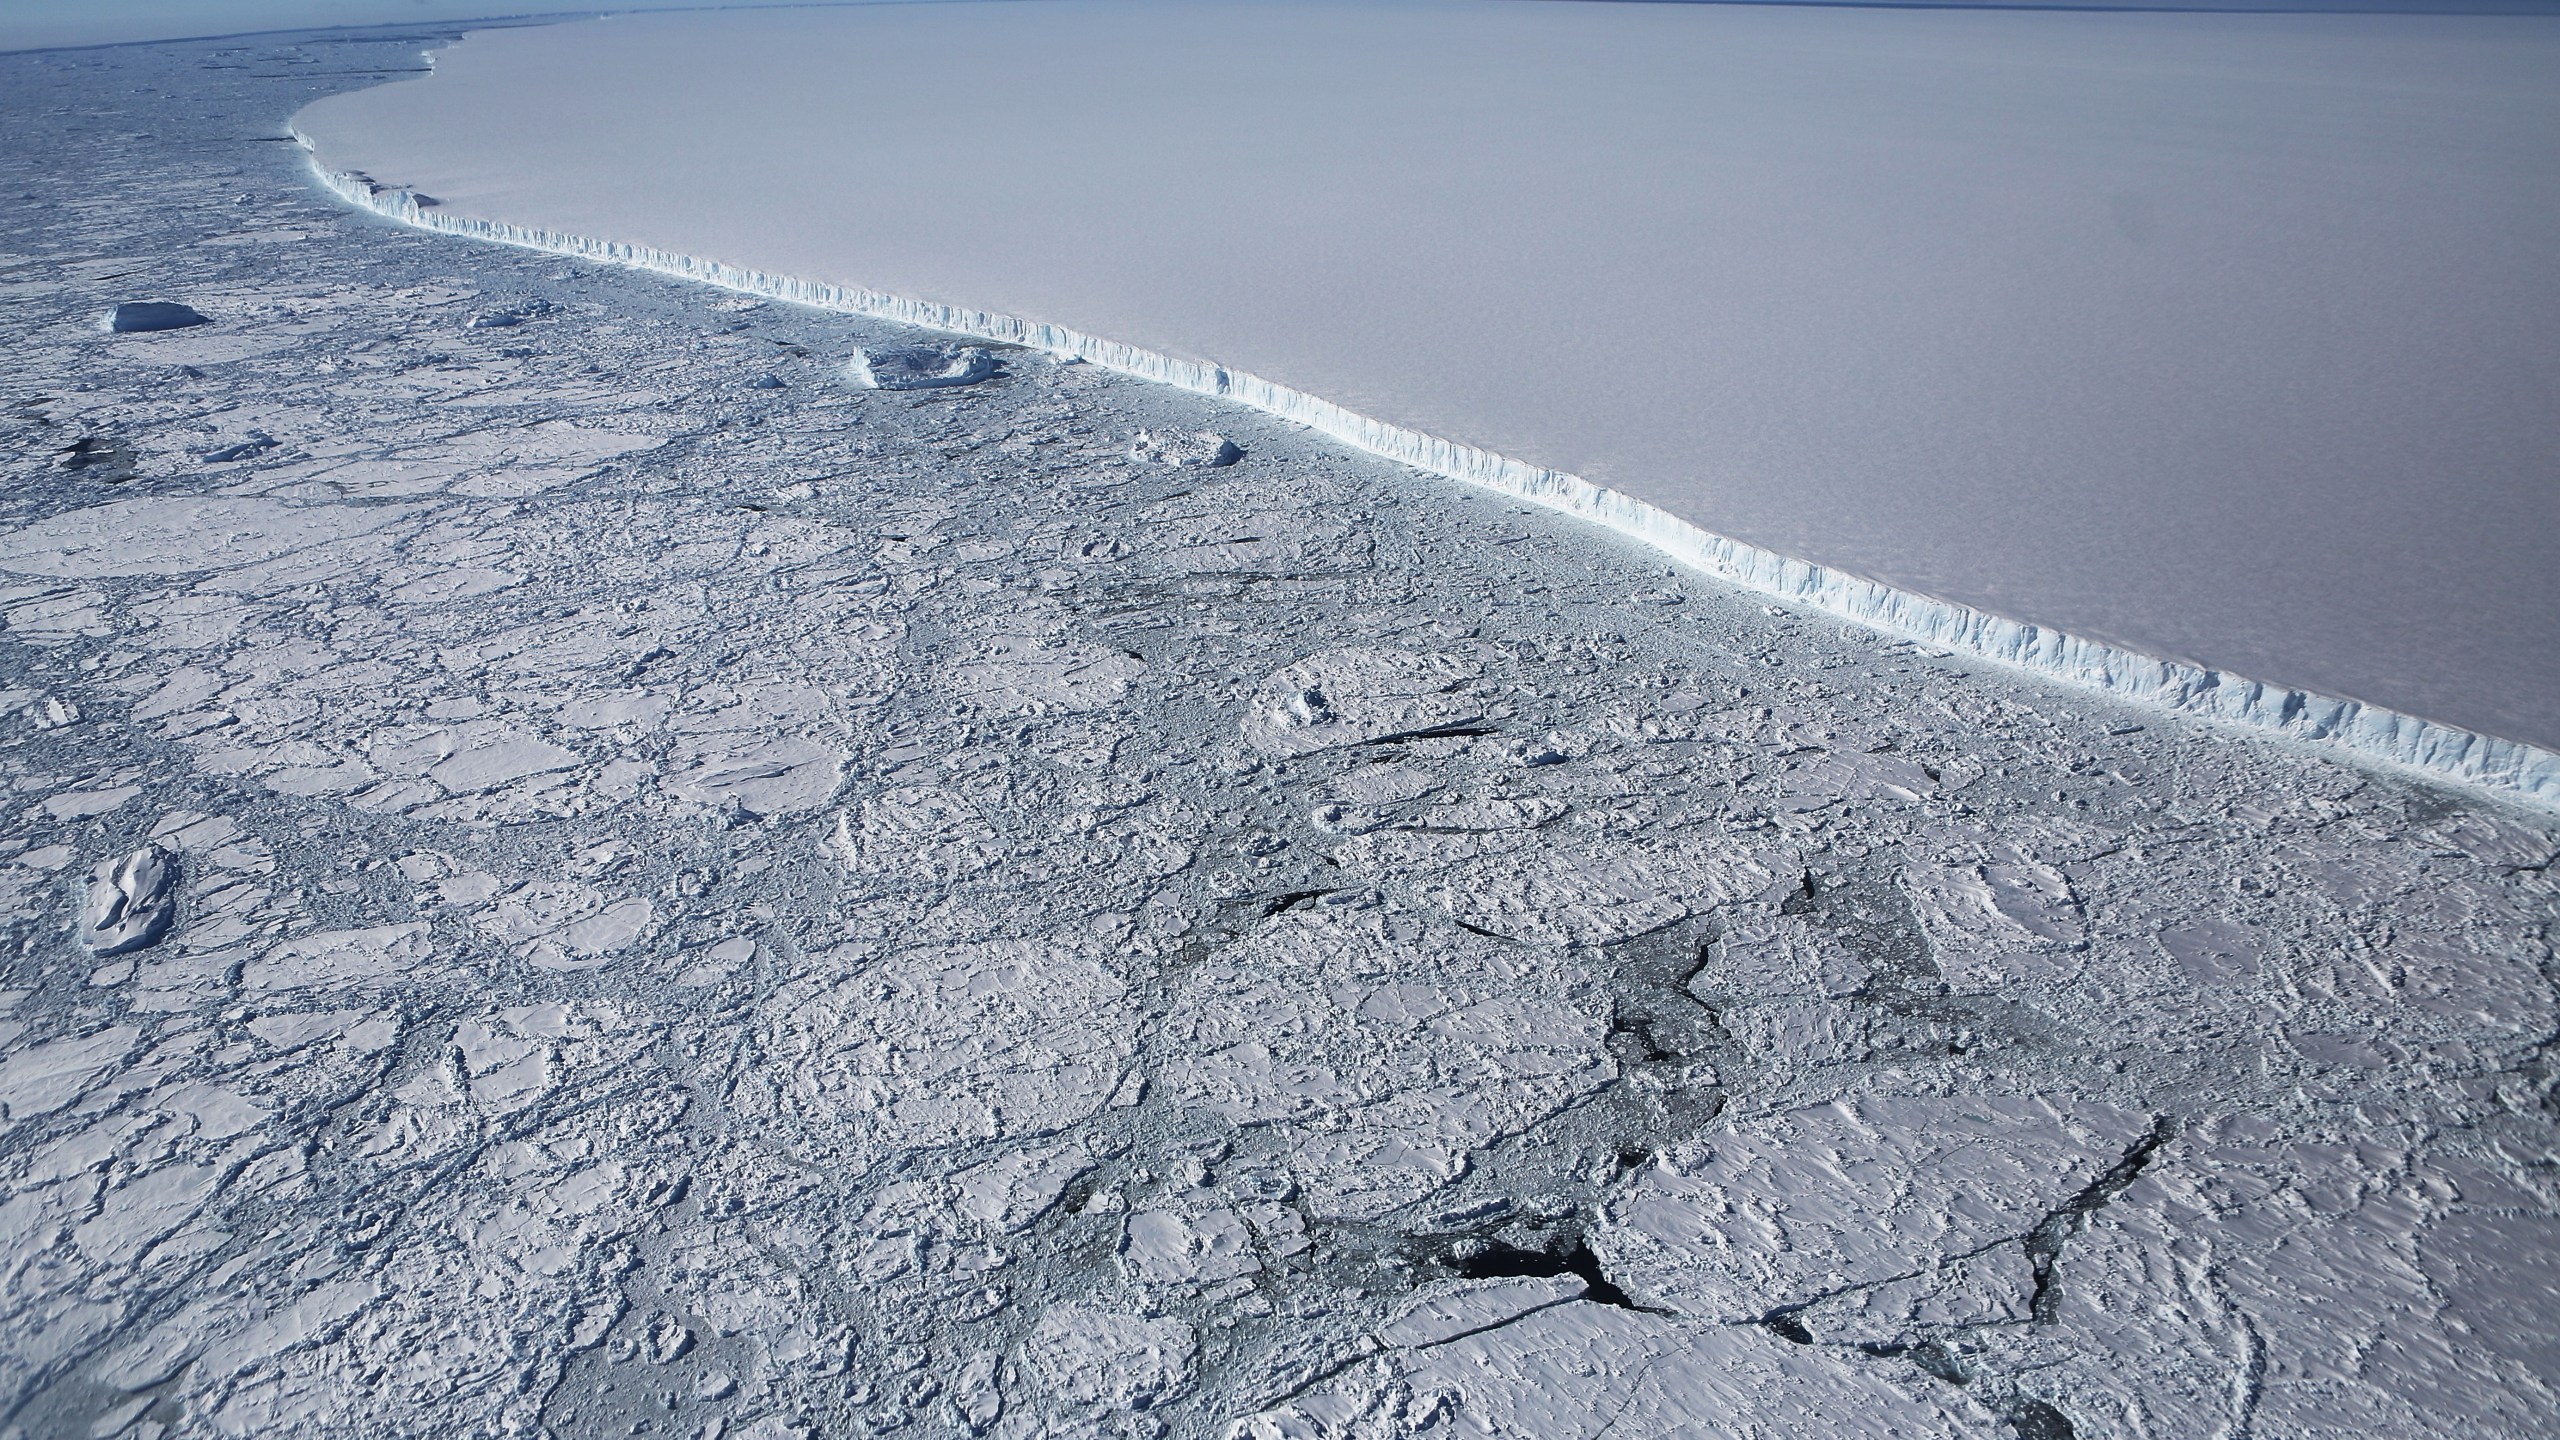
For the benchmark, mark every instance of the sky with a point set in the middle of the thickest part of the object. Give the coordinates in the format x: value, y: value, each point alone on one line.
x: 36, y: 24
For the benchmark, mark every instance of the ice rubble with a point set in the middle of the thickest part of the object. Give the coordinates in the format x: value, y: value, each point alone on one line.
x: 130, y: 901
x: 1203, y: 448
x: 920, y: 367
x: 2475, y: 758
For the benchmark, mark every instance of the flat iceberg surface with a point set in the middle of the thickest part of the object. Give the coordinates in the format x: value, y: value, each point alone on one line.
x: 2229, y: 338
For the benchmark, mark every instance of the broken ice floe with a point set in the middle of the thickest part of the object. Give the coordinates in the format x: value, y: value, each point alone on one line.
x: 129, y: 902
x: 1772, y: 1212
x: 1200, y: 448
x: 567, y: 925
x: 137, y: 316
x: 1469, y: 1306
x: 1523, y: 885
x: 258, y: 441
x: 1359, y: 696
x: 1087, y: 1358
x: 1581, y: 1369
x: 941, y: 1045
x: 1382, y: 1081
x: 1186, y: 1245
x: 175, y: 535
x: 919, y: 367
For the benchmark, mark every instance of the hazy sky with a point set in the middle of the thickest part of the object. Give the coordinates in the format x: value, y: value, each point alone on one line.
x: 31, y: 24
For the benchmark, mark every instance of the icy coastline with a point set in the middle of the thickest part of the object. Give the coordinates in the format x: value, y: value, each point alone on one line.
x: 574, y: 867
x: 2528, y: 772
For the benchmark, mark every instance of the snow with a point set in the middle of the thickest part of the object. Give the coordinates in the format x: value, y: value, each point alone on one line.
x: 1928, y: 318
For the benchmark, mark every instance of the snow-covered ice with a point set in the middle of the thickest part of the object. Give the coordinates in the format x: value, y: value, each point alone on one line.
x: 829, y: 911
x: 129, y: 900
x: 920, y: 367
x: 2223, y: 338
x: 1198, y: 448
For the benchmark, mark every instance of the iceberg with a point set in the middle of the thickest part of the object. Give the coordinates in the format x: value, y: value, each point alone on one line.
x: 142, y: 316
x: 2091, y: 466
x: 920, y: 367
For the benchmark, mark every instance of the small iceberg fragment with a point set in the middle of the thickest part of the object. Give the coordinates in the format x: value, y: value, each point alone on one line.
x: 257, y: 442
x: 511, y: 316
x: 1198, y: 448
x: 135, y: 316
x: 920, y: 367
x: 96, y: 457
x: 130, y: 901
x: 765, y: 382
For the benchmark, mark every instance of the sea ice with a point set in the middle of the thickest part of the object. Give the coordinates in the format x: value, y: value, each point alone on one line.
x: 1768, y: 1214
x: 793, y: 913
x: 1358, y: 696
x: 1090, y: 1358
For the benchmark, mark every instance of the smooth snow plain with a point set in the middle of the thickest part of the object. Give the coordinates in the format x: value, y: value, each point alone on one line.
x: 2223, y: 338
x: 572, y: 865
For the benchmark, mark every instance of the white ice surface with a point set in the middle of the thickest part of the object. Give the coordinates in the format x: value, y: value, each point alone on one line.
x: 2228, y: 338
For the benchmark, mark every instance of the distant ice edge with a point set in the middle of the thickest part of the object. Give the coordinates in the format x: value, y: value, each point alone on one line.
x: 2511, y: 767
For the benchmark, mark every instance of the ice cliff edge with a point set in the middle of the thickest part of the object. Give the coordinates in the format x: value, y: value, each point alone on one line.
x: 2522, y: 771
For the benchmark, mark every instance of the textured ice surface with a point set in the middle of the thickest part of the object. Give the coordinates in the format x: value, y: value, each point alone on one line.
x: 920, y: 367
x: 1200, y: 447
x: 129, y: 901
x: 824, y: 911
x: 2040, y: 313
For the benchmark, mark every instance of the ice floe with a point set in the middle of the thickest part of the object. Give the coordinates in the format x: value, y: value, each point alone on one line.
x: 1199, y: 448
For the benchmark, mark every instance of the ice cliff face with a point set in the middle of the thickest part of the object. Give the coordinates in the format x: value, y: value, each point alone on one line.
x: 2526, y: 771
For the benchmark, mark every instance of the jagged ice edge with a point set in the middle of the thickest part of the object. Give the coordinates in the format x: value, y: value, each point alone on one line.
x: 2512, y: 767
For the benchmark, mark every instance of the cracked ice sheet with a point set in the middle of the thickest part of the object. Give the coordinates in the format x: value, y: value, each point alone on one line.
x: 1769, y: 1214
x: 848, y: 918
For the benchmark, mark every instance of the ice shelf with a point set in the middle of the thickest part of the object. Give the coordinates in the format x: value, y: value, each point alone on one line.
x: 2527, y: 771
